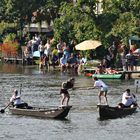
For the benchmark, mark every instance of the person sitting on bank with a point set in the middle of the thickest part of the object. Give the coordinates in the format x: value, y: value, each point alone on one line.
x: 128, y: 100
x: 111, y: 70
x: 100, y: 70
x: 64, y: 91
x: 72, y: 63
x: 16, y: 100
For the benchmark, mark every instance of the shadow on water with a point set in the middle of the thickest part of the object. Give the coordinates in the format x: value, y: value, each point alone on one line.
x: 103, y: 122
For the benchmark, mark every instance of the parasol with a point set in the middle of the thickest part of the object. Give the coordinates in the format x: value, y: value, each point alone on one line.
x: 88, y: 45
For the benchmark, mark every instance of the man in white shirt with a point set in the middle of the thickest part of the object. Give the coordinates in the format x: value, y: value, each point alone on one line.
x: 48, y: 49
x: 16, y: 100
x: 128, y: 99
x: 103, y: 89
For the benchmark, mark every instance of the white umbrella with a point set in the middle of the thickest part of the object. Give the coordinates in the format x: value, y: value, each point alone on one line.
x: 88, y: 45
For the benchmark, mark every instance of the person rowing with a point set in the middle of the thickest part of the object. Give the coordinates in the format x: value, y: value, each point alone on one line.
x: 16, y: 101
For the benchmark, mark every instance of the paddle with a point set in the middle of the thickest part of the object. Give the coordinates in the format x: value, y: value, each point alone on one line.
x: 3, y: 110
x: 138, y: 106
x: 20, y: 89
x: 82, y: 88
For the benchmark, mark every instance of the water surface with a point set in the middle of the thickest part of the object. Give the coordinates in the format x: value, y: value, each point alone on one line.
x: 42, y: 89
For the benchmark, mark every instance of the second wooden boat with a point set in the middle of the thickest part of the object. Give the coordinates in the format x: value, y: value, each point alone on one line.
x: 107, y: 112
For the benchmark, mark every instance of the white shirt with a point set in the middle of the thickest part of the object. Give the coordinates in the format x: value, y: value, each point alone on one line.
x: 47, y: 50
x: 16, y: 99
x: 134, y: 98
x: 41, y: 48
x: 128, y: 101
x: 60, y: 47
x: 99, y: 83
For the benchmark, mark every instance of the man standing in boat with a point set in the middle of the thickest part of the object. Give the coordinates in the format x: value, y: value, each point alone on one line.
x: 103, y: 89
x: 69, y: 84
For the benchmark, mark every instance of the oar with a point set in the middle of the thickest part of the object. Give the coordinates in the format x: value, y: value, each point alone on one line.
x: 138, y: 106
x: 20, y: 89
x: 3, y: 110
x: 82, y: 88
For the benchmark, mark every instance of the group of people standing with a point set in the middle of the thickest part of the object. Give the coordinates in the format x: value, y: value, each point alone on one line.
x: 62, y: 55
x: 124, y: 57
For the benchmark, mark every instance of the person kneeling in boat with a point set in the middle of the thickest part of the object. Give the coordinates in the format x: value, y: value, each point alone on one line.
x: 16, y: 100
x: 69, y: 84
x: 128, y: 100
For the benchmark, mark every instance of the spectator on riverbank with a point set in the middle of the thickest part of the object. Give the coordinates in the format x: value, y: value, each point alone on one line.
x: 72, y: 63
x: 54, y: 58
x: 48, y: 49
x: 41, y: 48
x: 60, y: 49
x: 63, y: 63
x: 130, y: 61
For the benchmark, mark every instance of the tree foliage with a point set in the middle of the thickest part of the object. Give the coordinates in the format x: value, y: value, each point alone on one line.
x: 76, y: 23
x: 126, y: 21
x: 80, y: 21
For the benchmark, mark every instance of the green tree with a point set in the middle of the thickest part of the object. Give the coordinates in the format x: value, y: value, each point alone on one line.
x: 1, y: 10
x: 20, y: 11
x: 125, y: 25
x: 76, y: 22
x: 125, y: 18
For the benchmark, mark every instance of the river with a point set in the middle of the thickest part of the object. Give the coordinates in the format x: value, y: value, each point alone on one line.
x: 83, y: 123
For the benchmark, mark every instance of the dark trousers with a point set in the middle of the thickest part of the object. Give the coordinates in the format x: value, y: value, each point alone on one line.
x: 22, y: 105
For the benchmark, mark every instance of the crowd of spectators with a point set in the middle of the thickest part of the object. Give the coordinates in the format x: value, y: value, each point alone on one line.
x: 65, y: 56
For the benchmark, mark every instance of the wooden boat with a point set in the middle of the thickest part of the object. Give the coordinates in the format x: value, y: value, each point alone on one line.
x: 56, y: 113
x: 107, y: 112
x: 109, y: 76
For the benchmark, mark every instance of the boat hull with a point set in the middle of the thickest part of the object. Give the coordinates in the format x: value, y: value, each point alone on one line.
x: 57, y: 113
x: 107, y: 112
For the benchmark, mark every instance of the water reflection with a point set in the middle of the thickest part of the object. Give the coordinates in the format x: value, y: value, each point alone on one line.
x: 102, y: 122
